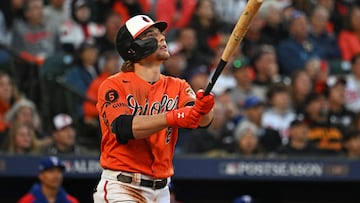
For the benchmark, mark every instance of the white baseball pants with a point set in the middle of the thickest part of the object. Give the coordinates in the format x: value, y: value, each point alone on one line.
x: 110, y: 190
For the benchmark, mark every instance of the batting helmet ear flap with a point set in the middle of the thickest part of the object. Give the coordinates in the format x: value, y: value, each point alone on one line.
x: 143, y: 48
x: 134, y: 49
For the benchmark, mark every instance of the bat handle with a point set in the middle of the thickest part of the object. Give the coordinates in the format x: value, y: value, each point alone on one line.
x: 215, y: 76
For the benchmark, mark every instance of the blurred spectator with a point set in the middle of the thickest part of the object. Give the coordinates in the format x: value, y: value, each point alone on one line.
x: 348, y: 39
x: 89, y: 135
x: 207, y: 24
x: 175, y: 66
x: 56, y: 13
x: 286, y: 13
x: 312, y: 68
x: 274, y: 29
x: 352, y: 89
x: 100, y: 9
x: 252, y: 39
x: 8, y: 96
x: 21, y: 140
x: 215, y: 140
x: 34, y: 35
x: 299, y: 144
x: 112, y: 25
x: 186, y: 42
x: 356, y: 121
x: 232, y: 111
x: 49, y: 189
x: 230, y: 11
x: 298, y: 48
x: 325, y: 40
x: 226, y: 80
x: 79, y: 28
x: 9, y: 12
x: 199, y: 78
x: 318, y: 70
x: 280, y: 113
x: 178, y: 13
x: 337, y: 10
x: 301, y: 86
x: 246, y: 139
x: 244, y: 88
x: 253, y: 109
x: 130, y: 8
x: 24, y: 111
x: 266, y: 69
x: 109, y: 65
x: 305, y: 6
x: 338, y: 114
x: 64, y: 136
x: 324, y: 136
x: 83, y: 72
x: 351, y: 143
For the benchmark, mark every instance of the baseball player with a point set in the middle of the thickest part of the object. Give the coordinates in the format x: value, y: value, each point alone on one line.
x: 140, y: 112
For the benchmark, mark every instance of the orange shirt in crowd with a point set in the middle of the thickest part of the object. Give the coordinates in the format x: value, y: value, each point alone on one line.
x: 4, y: 107
x: 349, y: 44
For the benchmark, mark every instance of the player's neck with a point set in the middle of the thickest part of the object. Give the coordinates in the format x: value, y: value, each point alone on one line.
x: 149, y: 74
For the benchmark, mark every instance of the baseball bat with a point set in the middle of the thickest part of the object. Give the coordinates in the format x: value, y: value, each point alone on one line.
x: 235, y: 38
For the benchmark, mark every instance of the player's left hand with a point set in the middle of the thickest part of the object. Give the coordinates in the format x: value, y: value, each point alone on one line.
x: 204, y: 103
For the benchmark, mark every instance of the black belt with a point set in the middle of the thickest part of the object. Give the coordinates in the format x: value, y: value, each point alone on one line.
x: 154, y: 184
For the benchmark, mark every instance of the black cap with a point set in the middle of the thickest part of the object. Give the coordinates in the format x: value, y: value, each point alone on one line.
x: 313, y: 96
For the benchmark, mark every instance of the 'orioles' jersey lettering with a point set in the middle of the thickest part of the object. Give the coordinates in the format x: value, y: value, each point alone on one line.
x: 152, y: 155
x: 166, y: 104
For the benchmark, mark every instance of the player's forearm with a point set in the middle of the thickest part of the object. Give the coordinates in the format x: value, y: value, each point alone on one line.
x: 206, y: 119
x: 144, y: 126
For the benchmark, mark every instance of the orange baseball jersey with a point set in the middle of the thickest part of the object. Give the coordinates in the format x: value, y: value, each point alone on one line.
x: 126, y: 94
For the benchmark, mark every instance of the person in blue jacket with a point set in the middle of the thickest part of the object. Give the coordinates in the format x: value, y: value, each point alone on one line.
x: 49, y: 189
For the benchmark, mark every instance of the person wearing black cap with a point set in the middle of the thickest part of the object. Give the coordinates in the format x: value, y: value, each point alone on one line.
x: 322, y: 134
x: 338, y: 114
x: 50, y: 188
x: 299, y: 144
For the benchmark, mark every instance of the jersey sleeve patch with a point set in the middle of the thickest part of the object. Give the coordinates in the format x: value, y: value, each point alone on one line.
x: 190, y: 92
x: 111, y: 96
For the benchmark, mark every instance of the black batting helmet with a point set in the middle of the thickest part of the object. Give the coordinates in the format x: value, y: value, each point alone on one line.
x: 129, y: 46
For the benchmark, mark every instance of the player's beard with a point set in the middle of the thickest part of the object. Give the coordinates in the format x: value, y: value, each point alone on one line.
x: 162, y: 55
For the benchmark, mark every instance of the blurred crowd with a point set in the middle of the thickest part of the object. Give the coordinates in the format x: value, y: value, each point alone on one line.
x: 292, y: 88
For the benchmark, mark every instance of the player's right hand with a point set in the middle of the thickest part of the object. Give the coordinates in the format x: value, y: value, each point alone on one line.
x: 204, y: 103
x: 185, y: 117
